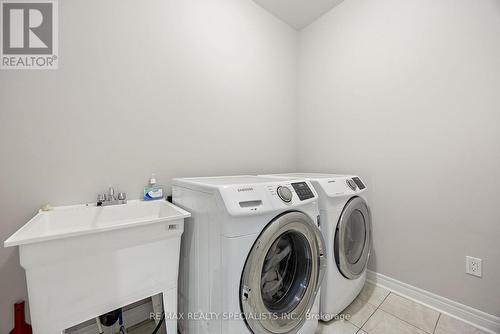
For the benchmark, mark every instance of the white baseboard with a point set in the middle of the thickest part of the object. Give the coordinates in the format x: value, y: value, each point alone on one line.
x: 482, y: 320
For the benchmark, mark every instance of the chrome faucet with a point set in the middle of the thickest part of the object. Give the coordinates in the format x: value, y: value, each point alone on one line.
x: 110, y: 198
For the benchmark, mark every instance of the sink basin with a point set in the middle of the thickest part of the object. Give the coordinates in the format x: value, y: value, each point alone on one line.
x: 71, y: 221
x: 83, y: 261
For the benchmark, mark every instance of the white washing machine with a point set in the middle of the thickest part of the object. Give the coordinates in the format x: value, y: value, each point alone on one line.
x: 346, y: 227
x: 252, y: 255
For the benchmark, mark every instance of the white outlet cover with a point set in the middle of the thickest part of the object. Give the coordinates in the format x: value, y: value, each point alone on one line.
x: 474, y: 266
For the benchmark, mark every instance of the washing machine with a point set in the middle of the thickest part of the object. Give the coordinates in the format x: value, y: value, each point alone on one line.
x: 252, y: 255
x: 346, y: 227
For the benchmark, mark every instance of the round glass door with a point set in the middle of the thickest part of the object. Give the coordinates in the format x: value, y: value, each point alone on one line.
x: 286, y: 272
x: 282, y: 275
x: 353, y: 238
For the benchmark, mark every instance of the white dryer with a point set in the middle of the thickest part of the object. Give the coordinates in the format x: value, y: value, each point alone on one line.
x: 346, y: 227
x: 252, y: 255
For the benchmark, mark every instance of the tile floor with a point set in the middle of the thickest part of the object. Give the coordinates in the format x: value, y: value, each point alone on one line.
x: 378, y: 311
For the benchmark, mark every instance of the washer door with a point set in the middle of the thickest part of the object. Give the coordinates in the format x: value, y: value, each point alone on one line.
x: 282, y: 275
x: 353, y: 238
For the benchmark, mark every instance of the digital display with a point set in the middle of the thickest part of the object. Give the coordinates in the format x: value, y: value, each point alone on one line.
x: 303, y: 190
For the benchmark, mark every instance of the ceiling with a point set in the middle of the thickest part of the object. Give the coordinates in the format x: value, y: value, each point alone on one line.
x: 298, y: 13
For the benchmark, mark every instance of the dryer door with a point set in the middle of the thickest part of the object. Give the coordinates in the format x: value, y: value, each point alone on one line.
x: 282, y: 275
x: 353, y: 238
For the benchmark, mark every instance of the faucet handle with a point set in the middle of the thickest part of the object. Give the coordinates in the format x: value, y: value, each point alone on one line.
x: 122, y: 196
x: 101, y: 198
x: 111, y: 194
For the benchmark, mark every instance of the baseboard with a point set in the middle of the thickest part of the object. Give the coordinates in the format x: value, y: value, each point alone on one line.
x: 482, y: 320
x: 131, y: 317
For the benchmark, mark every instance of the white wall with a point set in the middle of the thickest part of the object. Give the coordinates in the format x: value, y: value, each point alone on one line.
x: 178, y: 87
x: 407, y: 94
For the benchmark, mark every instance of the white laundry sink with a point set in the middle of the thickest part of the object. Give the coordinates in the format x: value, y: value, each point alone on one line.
x: 82, y: 261
x: 78, y: 220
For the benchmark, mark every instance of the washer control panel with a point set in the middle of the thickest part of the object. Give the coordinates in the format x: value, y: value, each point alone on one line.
x: 359, y: 183
x: 352, y: 184
x: 285, y: 194
x: 303, y: 190
x: 253, y: 198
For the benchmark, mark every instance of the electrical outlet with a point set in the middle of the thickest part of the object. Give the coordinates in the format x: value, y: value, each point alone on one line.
x: 474, y: 266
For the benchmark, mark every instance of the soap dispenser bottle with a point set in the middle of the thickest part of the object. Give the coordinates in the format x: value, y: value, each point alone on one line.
x: 153, y: 191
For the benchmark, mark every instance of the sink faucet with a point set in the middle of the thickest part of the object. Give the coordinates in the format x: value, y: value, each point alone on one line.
x: 110, y: 198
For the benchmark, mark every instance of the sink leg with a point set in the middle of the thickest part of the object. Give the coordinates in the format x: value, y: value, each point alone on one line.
x: 45, y: 325
x: 157, y: 302
x: 170, y: 305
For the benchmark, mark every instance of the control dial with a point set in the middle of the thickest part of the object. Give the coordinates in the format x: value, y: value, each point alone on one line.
x: 284, y: 193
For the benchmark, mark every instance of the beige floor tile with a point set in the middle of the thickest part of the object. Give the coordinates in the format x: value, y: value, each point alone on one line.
x: 336, y: 327
x: 416, y: 314
x: 373, y: 294
x: 449, y: 325
x: 385, y: 323
x: 359, y: 311
x: 362, y: 332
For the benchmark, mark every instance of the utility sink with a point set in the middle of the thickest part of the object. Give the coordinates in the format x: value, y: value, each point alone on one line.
x: 82, y: 261
x: 78, y: 220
